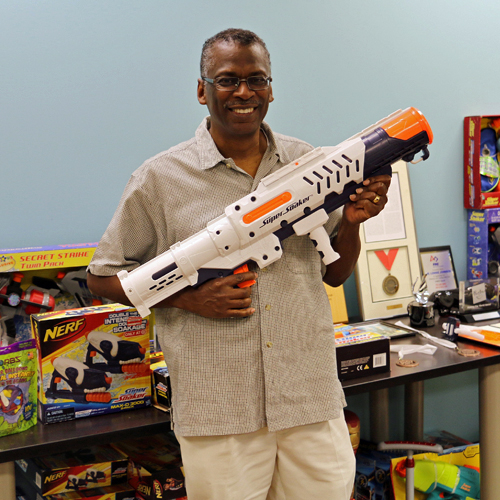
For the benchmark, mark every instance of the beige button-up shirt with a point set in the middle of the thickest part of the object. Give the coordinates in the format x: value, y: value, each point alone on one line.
x: 230, y: 376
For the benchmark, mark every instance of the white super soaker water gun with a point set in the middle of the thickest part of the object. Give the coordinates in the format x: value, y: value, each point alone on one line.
x: 294, y: 200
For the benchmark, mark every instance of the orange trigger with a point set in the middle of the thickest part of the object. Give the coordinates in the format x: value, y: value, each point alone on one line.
x: 244, y: 269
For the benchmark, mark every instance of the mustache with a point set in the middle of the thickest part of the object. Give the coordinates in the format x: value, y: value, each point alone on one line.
x: 251, y: 102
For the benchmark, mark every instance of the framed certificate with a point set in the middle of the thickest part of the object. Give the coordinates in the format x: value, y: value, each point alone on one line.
x: 389, y: 262
x: 438, y: 268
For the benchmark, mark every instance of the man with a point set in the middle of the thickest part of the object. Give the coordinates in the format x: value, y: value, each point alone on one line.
x: 256, y: 398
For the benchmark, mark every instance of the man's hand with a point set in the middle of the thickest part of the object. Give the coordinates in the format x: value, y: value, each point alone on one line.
x: 217, y: 298
x: 368, y: 201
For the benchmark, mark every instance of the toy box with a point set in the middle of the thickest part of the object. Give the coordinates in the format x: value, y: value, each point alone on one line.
x: 18, y: 382
x: 361, y: 355
x: 160, y: 382
x: 84, y: 469
x: 91, y: 361
x: 483, y: 245
x: 155, y: 466
x: 481, y: 168
x: 373, y: 473
x: 455, y: 470
x: 40, y: 279
x: 27, y: 491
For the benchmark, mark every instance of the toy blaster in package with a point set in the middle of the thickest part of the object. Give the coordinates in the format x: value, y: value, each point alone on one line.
x: 86, y: 469
x: 17, y: 387
x: 453, y: 475
x: 41, y: 279
x: 25, y: 490
x: 92, y: 361
x: 155, y: 466
x: 481, y: 165
x: 160, y: 380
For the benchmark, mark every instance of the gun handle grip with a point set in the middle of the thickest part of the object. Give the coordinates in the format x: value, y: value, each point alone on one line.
x: 244, y: 269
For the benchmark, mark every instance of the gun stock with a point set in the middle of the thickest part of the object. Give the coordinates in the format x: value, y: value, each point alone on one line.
x: 294, y: 200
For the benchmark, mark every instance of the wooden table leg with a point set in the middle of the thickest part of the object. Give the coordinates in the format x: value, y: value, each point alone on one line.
x: 489, y: 430
x: 7, y: 481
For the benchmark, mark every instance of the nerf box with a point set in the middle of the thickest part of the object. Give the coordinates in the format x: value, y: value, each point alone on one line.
x: 155, y: 466
x: 481, y: 166
x: 160, y: 380
x: 359, y: 355
x: 91, y: 361
x: 26, y: 491
x: 85, y: 469
x: 41, y: 279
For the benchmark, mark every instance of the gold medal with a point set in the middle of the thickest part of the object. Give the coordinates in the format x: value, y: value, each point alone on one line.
x: 390, y: 285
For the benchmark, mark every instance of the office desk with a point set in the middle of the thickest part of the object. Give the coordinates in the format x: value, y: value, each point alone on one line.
x: 48, y: 439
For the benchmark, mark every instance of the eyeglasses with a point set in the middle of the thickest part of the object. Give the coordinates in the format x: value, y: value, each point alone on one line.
x: 231, y: 83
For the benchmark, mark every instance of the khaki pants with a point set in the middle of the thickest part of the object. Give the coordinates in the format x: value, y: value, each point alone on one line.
x: 309, y: 461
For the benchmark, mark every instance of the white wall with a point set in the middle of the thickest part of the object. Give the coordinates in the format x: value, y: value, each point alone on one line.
x: 91, y: 89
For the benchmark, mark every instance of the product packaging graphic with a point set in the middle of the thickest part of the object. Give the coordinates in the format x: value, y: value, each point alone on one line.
x: 361, y: 355
x: 17, y: 387
x: 78, y: 471
x: 155, y: 466
x: 91, y: 361
x: 481, y: 166
x: 42, y: 279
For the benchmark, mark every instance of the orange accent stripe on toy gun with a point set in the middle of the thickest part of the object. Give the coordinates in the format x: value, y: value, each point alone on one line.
x: 267, y: 207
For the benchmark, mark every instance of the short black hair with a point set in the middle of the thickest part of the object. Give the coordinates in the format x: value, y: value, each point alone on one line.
x: 235, y: 35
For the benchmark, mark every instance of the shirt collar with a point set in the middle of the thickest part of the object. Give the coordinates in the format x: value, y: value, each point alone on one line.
x: 210, y: 156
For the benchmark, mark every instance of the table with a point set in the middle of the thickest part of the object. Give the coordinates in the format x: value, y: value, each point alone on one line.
x: 48, y: 439
x: 443, y: 362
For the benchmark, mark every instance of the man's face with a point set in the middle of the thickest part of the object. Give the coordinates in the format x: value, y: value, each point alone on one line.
x: 240, y: 112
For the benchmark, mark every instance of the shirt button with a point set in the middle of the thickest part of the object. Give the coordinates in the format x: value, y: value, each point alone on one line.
x: 268, y: 307
x: 269, y: 344
x: 264, y: 269
x: 228, y: 165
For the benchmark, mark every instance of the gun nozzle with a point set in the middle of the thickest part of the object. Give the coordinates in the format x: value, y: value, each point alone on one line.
x: 407, y: 124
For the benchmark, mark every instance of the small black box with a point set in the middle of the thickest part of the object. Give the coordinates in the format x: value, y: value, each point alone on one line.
x: 361, y: 356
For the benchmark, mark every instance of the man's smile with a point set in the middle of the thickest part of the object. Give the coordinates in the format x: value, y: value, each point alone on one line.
x: 243, y: 111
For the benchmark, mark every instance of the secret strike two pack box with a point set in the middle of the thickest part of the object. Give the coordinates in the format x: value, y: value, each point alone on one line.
x: 92, y: 361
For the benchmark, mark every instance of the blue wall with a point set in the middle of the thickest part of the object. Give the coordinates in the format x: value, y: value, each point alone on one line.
x: 91, y: 89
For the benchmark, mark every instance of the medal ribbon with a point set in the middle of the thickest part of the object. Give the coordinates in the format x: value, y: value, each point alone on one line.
x: 387, y: 259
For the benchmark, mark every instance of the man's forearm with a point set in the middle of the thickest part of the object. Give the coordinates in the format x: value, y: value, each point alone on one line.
x: 348, y: 245
x: 108, y: 287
